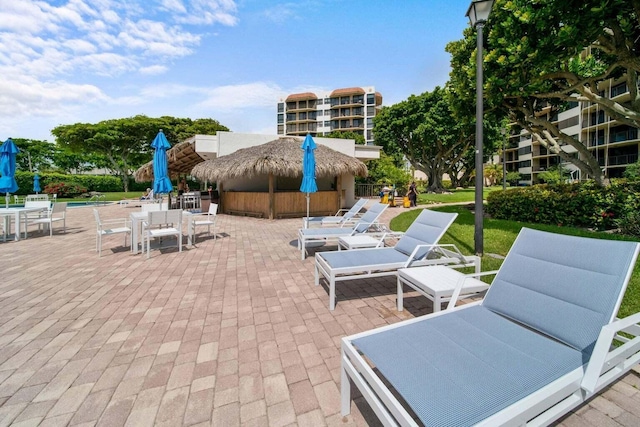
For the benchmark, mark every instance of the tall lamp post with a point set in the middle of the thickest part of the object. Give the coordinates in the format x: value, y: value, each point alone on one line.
x: 478, y: 14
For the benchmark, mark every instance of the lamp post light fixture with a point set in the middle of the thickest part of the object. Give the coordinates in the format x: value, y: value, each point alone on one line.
x: 478, y: 13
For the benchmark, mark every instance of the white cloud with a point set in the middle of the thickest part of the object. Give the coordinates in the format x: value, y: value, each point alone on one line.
x: 30, y: 97
x: 258, y: 94
x: 174, y: 6
x: 153, y: 70
x: 44, y: 45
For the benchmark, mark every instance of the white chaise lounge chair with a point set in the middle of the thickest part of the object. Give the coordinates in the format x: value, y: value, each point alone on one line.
x: 322, y: 235
x: 418, y: 246
x: 537, y: 346
x: 343, y: 216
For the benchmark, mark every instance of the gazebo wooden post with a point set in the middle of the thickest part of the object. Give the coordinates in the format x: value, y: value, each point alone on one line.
x: 272, y: 204
x: 339, y: 188
x: 220, y: 192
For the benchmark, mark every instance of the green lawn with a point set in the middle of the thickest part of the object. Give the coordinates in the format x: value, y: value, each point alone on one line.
x: 499, y: 235
x: 456, y: 196
x: 109, y: 197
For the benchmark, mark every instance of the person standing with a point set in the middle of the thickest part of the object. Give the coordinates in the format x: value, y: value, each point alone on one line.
x: 413, y: 194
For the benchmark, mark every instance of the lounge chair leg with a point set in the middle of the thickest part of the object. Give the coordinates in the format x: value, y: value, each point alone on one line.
x: 317, y: 276
x: 332, y: 294
x: 345, y: 393
x: 399, y: 301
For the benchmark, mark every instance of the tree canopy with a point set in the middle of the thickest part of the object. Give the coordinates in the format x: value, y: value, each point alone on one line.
x: 125, y: 143
x: 432, y: 137
x: 540, y: 55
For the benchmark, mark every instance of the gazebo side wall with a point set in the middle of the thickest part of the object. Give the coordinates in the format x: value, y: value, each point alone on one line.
x: 288, y: 204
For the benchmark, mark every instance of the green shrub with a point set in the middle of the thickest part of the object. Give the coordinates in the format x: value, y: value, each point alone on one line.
x: 100, y: 183
x: 576, y: 205
x: 65, y: 189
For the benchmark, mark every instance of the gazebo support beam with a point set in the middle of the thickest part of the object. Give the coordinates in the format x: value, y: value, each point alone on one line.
x: 339, y: 188
x: 272, y: 204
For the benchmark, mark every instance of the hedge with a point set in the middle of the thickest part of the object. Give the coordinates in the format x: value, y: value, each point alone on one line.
x: 100, y: 183
x: 577, y: 205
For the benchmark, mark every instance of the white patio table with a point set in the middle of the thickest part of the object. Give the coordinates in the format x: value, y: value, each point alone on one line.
x: 18, y: 213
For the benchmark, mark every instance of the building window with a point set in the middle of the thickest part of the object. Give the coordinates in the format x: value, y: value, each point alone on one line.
x: 327, y: 123
x: 280, y: 129
x: 280, y: 118
x: 371, y: 98
x: 623, y: 133
x: 280, y: 107
x: 319, y: 101
x: 345, y: 100
x: 524, y: 150
x: 619, y: 89
x: 369, y: 135
x: 371, y: 111
x: 327, y: 101
x: 369, y: 122
x: 291, y: 105
x: 358, y: 111
x: 524, y: 164
x: 358, y: 99
x: 302, y: 116
x: 313, y: 115
x: 291, y: 117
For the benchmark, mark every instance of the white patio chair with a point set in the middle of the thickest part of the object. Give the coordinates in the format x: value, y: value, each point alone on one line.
x: 57, y: 213
x: 341, y: 217
x: 209, y: 221
x: 43, y: 196
x: 44, y: 207
x: 150, y: 207
x: 307, y: 236
x: 417, y: 247
x: 163, y: 224
x: 539, y: 344
x: 110, y: 227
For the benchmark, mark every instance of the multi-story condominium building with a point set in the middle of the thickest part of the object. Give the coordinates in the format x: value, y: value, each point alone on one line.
x: 343, y: 110
x: 613, y: 144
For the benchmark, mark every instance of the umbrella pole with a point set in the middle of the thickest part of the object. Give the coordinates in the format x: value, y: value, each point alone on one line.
x: 307, y: 221
x: 6, y: 200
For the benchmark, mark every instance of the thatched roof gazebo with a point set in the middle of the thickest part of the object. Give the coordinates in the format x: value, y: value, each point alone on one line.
x: 181, y: 158
x: 279, y: 158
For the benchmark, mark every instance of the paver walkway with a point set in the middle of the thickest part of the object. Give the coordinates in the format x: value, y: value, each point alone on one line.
x: 232, y: 332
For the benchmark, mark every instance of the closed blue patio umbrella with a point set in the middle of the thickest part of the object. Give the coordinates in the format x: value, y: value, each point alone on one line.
x: 308, y: 168
x: 36, y: 184
x: 8, y: 184
x: 161, y: 181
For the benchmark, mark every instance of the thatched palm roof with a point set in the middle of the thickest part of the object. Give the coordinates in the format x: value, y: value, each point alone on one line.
x: 181, y: 158
x: 282, y: 157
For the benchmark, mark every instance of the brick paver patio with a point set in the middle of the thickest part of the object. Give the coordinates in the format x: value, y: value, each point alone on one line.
x: 232, y: 332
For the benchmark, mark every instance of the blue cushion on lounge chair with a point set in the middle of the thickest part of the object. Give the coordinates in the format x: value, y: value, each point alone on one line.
x: 457, y: 369
x: 363, y: 257
x: 427, y: 229
x: 526, y: 288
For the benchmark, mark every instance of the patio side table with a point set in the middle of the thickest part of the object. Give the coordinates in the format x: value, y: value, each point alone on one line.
x: 436, y: 283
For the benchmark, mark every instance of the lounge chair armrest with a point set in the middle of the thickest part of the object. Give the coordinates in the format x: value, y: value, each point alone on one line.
x: 355, y: 226
x: 412, y: 256
x: 606, y: 362
x: 341, y: 211
x: 458, y: 290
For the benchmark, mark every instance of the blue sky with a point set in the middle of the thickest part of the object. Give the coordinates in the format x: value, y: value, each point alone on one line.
x: 70, y: 61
